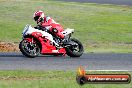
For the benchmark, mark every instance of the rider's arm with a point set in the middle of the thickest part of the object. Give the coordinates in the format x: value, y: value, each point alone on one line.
x: 47, y: 23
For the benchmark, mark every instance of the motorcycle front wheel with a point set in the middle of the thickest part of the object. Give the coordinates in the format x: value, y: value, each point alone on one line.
x: 29, y: 49
x: 76, y: 49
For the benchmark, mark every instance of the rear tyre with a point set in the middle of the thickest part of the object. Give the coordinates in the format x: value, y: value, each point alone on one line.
x: 76, y: 49
x: 29, y: 49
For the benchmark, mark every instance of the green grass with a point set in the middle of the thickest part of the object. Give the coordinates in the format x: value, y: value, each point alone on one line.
x: 98, y: 27
x: 49, y: 79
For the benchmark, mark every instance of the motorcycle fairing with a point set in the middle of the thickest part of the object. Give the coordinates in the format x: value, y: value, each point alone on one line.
x: 45, y: 39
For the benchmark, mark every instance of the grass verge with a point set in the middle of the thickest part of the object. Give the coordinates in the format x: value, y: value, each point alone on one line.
x: 49, y: 79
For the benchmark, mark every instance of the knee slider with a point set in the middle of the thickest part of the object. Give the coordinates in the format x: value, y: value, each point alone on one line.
x: 54, y: 30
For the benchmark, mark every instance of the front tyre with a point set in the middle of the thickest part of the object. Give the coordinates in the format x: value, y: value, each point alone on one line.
x: 75, y: 49
x: 29, y: 49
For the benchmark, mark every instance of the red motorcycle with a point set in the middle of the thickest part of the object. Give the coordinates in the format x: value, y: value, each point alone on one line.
x: 36, y: 41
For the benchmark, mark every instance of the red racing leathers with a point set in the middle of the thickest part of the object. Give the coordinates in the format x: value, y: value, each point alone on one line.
x: 52, y: 26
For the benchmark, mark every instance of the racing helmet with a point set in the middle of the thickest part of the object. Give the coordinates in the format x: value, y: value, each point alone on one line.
x: 38, y: 16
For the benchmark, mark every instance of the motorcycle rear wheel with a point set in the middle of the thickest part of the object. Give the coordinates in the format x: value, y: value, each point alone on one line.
x: 29, y: 49
x: 75, y: 50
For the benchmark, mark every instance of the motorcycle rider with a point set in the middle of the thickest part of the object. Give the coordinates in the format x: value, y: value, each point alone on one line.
x: 49, y: 24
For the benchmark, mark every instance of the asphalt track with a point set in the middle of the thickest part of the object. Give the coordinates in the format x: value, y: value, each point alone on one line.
x: 16, y: 61
x: 117, y: 2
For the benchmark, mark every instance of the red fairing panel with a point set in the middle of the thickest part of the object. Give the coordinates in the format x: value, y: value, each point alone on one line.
x: 47, y: 46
